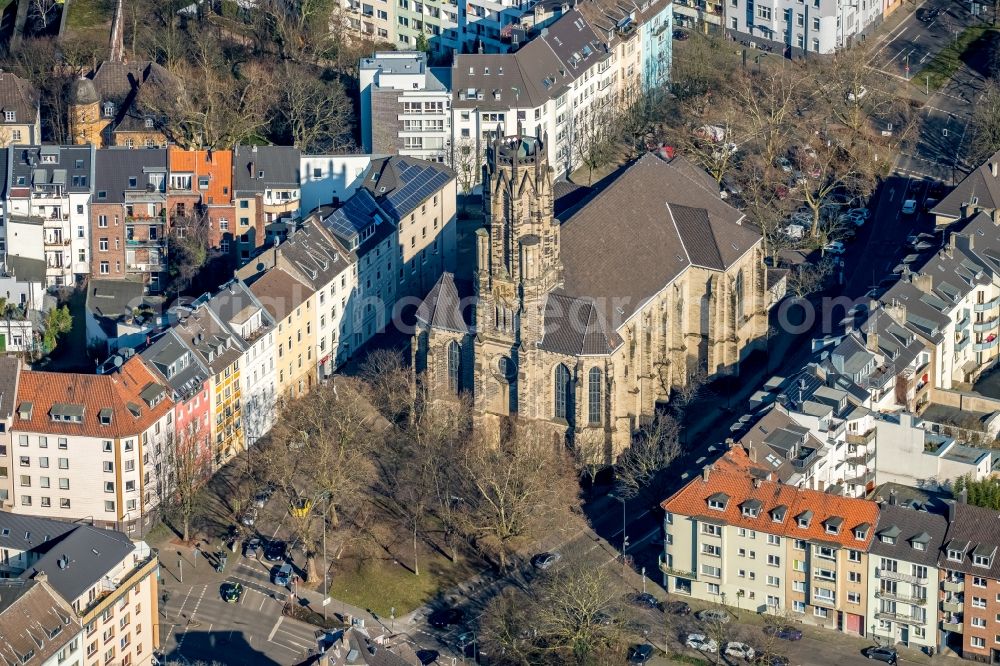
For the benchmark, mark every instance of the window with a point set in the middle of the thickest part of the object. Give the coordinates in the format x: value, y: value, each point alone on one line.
x: 64, y: 503
x: 979, y: 602
x: 454, y: 367
x: 800, y: 19
x: 109, y: 506
x: 799, y: 586
x: 854, y: 597
x: 773, y: 540
x: 711, y: 530
x: 63, y: 463
x: 43, y: 462
x: 595, y: 388
x: 25, y: 481
x: 63, y: 484
x: 854, y: 555
x: 713, y: 588
x: 979, y: 581
x: 955, y: 555
x: 711, y: 549
x: 821, y: 612
x: 562, y: 392
x: 773, y: 581
x: 979, y: 622
x: 815, y: 23
x: 764, y: 13
x: 826, y: 552
x: 773, y: 561
x: 711, y: 571
x: 978, y: 641
x: 981, y: 560
x: 772, y: 601
x: 854, y: 576
x: 799, y: 606
x: 9, y: 116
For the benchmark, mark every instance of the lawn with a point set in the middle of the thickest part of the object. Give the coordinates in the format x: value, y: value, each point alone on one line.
x: 380, y: 585
x: 947, y: 61
x: 85, y: 14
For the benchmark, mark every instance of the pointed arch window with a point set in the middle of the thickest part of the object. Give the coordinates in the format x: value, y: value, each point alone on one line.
x: 595, y: 394
x: 454, y: 367
x: 562, y: 392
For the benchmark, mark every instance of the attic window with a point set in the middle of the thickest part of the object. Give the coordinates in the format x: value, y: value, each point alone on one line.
x: 5, y: 532
x: 109, y: 109
x: 778, y: 514
x: 919, y: 545
x: 860, y: 533
x: 718, y: 501
x: 804, y: 519
x: 10, y: 116
x: 105, y: 416
x: 149, y: 122
x: 24, y: 411
x: 955, y: 555
x: 101, y: 194
x: 133, y: 181
x: 832, y: 524
x: 202, y: 182
x: 751, y: 508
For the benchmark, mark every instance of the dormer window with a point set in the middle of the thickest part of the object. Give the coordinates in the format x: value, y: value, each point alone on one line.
x: 718, y: 501
x: 955, y: 555
x: 105, y: 416
x: 109, y: 109
x: 981, y: 560
x: 982, y: 556
x: 149, y: 123
x: 24, y: 411
x: 9, y: 116
x: 917, y: 545
x: 778, y: 514
x: 861, y: 531
x: 832, y: 525
x: 804, y: 519
x: 751, y: 508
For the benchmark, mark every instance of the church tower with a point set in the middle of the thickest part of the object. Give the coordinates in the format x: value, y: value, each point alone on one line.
x: 517, y: 265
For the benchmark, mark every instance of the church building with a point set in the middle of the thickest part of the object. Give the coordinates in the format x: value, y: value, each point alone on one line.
x: 584, y: 324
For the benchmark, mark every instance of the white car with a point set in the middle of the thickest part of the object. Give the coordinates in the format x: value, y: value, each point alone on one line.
x: 909, y: 207
x: 701, y: 643
x: 834, y: 247
x: 783, y: 164
x: 741, y: 650
x: 856, y: 94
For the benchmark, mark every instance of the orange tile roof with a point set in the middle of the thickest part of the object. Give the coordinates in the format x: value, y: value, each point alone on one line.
x: 218, y: 164
x: 94, y: 393
x: 737, y: 459
x: 739, y: 487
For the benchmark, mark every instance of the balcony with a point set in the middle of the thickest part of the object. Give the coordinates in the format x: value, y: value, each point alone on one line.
x: 982, y: 326
x: 690, y: 575
x: 824, y: 601
x: 904, y: 598
x: 955, y: 627
x: 57, y: 242
x: 862, y: 440
x: 895, y: 575
x: 953, y: 586
x: 962, y: 344
x: 987, y: 305
x: 145, y: 242
x: 900, y: 617
x: 952, y: 606
x: 861, y: 460
x: 804, y: 461
x: 987, y: 344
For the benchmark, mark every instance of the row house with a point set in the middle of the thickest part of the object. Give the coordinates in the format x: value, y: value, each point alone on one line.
x: 266, y: 187
x: 978, y: 191
x: 795, y: 27
x: 903, y: 575
x: 40, y: 627
x: 101, y: 586
x: 200, y: 194
x: 10, y: 375
x: 738, y: 537
x: 92, y: 446
x: 314, y: 257
x: 252, y: 325
x: 128, y: 216
x: 50, y: 189
x: 400, y: 228
x: 20, y: 111
x: 291, y: 303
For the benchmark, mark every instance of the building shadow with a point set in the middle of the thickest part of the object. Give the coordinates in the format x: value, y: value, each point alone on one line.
x: 219, y: 647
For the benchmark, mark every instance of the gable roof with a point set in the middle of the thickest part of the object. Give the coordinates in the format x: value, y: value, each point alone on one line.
x: 216, y: 164
x: 970, y: 527
x: 910, y: 526
x: 19, y: 96
x: 88, y: 553
x: 116, y: 392
x: 257, y: 168
x: 980, y: 184
x: 575, y: 326
x: 35, y: 621
x: 818, y: 507
x: 280, y: 292
x: 115, y: 167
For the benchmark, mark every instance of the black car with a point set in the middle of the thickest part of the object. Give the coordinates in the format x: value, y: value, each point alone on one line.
x: 681, y: 35
x: 445, y: 617
x: 785, y: 633
x: 640, y: 654
x: 765, y: 659
x: 678, y: 608
x: 231, y: 592
x: 886, y: 654
x: 645, y: 600
x: 275, y: 551
x: 428, y: 656
x: 927, y: 15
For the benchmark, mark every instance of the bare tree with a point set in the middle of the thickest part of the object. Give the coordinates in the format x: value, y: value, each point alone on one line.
x: 984, y: 127
x: 189, y: 240
x: 596, y: 137
x: 652, y: 450
x: 192, y: 468
x: 467, y: 161
x: 810, y: 278
x: 313, y: 113
x: 387, y: 384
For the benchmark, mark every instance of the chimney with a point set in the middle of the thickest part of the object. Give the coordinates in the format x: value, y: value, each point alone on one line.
x: 705, y: 471
x: 872, y: 342
x: 41, y: 577
x: 995, y: 217
x: 756, y: 482
x: 923, y: 282
x: 951, y: 510
x: 730, y: 443
x: 892, y: 497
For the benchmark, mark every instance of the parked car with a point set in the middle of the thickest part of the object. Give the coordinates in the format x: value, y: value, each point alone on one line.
x: 785, y: 633
x: 767, y: 659
x: 263, y: 495
x: 701, y: 643
x: 680, y: 35
x: 446, y: 617
x: 678, y: 608
x: 925, y: 15
x: 856, y: 94
x: 543, y: 561
x: 645, y: 600
x: 712, y: 133
x: 249, y: 517
x: 740, y: 650
x: 283, y: 575
x: 713, y: 615
x: 909, y: 207
x: 783, y: 163
x: 834, y: 247
x: 231, y: 592
x: 252, y: 548
x: 640, y: 654
x: 275, y: 551
x: 879, y: 653
x: 428, y: 656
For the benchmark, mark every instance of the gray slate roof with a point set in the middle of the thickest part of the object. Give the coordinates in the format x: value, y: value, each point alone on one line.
x: 10, y: 370
x: 91, y: 553
x: 115, y: 166
x: 25, y: 269
x: 441, y: 309
x: 278, y: 164
x: 980, y: 185
x: 73, y: 167
x: 24, y: 533
x: 19, y: 96
x: 971, y: 526
x: 913, y: 526
x: 576, y: 326
x: 113, y: 298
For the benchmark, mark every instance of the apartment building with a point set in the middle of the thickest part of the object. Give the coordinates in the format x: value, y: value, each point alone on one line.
x: 796, y: 27
x: 92, y: 446
x: 108, y: 582
x: 405, y: 106
x: 706, y: 16
x: 400, y: 226
x: 10, y: 375
x: 219, y: 352
x: 330, y: 179
x: 969, y: 574
x: 641, y: 31
x: 236, y: 306
x: 267, y: 189
x: 903, y: 575
x: 200, y: 192
x: 979, y: 191
x: 20, y: 122
x: 739, y: 539
x: 50, y: 190
x: 290, y: 302
x: 128, y: 216
x: 433, y: 25
x: 39, y: 626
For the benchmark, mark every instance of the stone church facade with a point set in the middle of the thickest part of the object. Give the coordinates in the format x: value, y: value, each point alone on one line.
x: 585, y: 324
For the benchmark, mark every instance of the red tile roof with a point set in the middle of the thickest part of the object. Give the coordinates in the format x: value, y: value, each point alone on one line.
x: 738, y: 487
x: 115, y: 391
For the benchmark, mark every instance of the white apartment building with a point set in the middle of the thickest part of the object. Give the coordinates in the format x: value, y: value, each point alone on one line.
x: 800, y: 26
x: 405, y: 106
x: 236, y: 306
x: 50, y: 190
x: 91, y: 446
x: 902, y: 568
x: 330, y: 179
